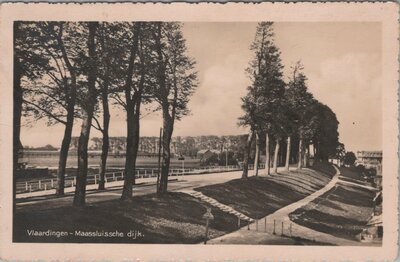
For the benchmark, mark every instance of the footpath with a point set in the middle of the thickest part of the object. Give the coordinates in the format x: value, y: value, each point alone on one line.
x: 277, y: 228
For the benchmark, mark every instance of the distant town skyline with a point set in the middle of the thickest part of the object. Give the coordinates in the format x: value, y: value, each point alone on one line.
x: 342, y: 62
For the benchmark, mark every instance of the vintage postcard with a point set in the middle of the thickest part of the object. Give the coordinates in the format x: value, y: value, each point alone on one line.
x: 199, y: 132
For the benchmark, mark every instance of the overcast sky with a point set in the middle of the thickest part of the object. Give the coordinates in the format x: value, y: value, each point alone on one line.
x: 342, y: 62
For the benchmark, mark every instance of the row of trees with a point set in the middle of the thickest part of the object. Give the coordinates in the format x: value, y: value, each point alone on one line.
x: 277, y: 110
x: 69, y: 70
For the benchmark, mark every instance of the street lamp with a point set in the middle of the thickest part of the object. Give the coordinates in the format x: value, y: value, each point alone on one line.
x: 207, y: 216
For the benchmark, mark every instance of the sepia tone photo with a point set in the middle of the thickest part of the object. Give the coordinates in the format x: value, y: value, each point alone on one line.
x: 256, y: 133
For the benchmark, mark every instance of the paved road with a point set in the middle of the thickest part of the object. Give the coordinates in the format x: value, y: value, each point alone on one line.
x: 114, y: 190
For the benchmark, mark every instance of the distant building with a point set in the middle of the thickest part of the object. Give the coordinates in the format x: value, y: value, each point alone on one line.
x: 206, y: 154
x: 188, y: 146
x: 336, y: 161
x: 32, y: 152
x: 369, y: 159
x: 372, y: 160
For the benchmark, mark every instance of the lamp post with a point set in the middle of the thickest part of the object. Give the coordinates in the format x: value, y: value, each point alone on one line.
x: 207, y: 216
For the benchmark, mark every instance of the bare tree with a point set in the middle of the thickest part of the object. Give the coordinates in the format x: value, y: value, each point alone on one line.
x: 133, y: 99
x: 53, y: 95
x: 87, y: 114
x: 108, y: 78
x: 176, y: 81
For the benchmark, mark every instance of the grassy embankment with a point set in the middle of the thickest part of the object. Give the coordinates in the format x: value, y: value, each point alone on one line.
x: 259, y: 196
x: 177, y: 218
x: 343, y: 211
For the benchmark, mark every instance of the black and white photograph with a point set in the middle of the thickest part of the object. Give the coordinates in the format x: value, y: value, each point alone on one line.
x: 258, y: 133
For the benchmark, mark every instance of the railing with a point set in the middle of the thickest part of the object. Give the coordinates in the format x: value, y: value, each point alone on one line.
x: 48, y: 184
x: 275, y: 226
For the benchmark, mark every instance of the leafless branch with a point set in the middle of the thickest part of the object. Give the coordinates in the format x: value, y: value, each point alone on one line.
x: 119, y: 100
x: 48, y: 113
x: 52, y: 97
x: 98, y: 126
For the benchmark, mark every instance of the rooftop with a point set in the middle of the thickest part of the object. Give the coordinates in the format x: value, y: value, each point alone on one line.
x: 369, y: 154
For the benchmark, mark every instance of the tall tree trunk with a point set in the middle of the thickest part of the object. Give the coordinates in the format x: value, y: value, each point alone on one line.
x: 168, y: 126
x: 168, y: 120
x: 80, y: 190
x: 132, y: 138
x: 106, y: 113
x: 133, y: 125
x: 159, y: 160
x: 106, y: 139
x: 132, y: 145
x: 257, y: 155
x: 275, y: 168
x: 17, y: 92
x: 62, y: 162
x: 280, y: 157
x: 247, y: 155
x: 130, y: 160
x: 267, y: 155
x: 71, y: 99
x: 305, y: 156
x: 300, y: 158
x: 287, y: 153
x: 17, y: 113
x: 315, y: 151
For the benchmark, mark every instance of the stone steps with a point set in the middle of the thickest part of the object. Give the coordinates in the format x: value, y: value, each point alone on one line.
x: 215, y: 203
